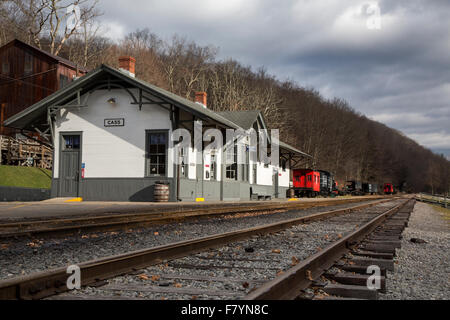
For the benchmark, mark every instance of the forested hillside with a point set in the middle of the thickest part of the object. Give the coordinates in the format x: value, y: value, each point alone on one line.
x: 340, y: 139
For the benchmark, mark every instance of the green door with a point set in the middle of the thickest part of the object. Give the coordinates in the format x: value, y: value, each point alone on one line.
x: 276, y: 183
x: 70, y: 165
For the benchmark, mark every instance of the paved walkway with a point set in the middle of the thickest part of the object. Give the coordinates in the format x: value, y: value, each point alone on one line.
x: 58, y: 208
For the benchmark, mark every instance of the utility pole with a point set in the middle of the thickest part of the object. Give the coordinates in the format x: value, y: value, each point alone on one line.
x: 2, y: 117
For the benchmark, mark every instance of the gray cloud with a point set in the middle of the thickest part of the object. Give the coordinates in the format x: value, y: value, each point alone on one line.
x: 399, y: 75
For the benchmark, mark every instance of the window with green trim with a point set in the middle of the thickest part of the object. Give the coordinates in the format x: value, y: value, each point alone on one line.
x: 156, y: 150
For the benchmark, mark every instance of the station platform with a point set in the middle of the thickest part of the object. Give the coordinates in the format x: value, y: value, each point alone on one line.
x: 61, y: 208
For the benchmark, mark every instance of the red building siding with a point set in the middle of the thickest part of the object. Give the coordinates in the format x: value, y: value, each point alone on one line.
x: 28, y: 75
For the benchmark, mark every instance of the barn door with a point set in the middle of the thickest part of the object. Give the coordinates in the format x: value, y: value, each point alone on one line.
x: 70, y: 165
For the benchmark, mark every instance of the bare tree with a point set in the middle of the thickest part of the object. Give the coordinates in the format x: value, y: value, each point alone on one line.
x: 61, y: 11
x: 341, y: 140
x: 184, y: 63
x: 19, y: 19
x: 146, y: 47
x: 89, y: 33
x: 55, y: 20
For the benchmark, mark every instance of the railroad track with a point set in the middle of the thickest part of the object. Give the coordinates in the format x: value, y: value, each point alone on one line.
x: 255, y: 263
x: 113, y: 222
x: 341, y: 270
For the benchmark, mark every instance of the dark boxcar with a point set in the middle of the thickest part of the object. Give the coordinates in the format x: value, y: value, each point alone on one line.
x: 354, y: 188
x: 306, y: 182
x: 370, y: 188
x: 375, y: 188
x: 326, y: 183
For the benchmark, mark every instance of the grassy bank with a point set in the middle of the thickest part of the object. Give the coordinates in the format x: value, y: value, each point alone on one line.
x: 445, y: 211
x: 25, y: 177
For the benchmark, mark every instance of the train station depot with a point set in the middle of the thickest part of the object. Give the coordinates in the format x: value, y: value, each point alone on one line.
x: 112, y: 138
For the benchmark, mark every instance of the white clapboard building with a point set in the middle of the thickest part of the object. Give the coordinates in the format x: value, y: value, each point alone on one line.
x: 112, y: 138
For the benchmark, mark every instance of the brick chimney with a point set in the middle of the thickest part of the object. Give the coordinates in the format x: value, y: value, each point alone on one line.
x: 128, y: 64
x: 201, y: 98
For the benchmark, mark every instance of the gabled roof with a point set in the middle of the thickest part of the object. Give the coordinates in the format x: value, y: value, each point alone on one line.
x: 39, y: 110
x: 292, y: 149
x: 235, y: 120
x: 246, y: 118
x: 18, y: 43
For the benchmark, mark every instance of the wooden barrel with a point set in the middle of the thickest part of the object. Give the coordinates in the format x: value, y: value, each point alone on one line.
x: 291, y: 193
x: 161, y: 192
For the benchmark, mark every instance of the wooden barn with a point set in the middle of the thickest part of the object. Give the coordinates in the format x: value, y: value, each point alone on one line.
x: 28, y: 75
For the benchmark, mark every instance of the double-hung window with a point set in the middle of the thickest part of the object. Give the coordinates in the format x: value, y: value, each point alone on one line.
x: 28, y: 64
x: 213, y: 166
x: 231, y: 168
x: 63, y: 81
x: 184, y: 162
x: 5, y: 68
x: 156, y: 150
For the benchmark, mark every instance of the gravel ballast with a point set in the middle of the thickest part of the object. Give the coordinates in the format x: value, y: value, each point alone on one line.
x: 422, y: 270
x: 231, y: 272
x: 25, y: 256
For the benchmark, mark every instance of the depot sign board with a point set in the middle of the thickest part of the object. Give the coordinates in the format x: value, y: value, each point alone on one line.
x: 115, y: 122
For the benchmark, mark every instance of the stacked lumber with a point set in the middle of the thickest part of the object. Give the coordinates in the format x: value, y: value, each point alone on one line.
x: 25, y: 152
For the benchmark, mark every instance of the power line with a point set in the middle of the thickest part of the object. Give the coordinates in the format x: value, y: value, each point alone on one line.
x: 32, y: 75
x: 22, y: 81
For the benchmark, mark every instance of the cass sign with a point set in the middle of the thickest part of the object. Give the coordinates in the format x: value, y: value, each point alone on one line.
x: 115, y: 122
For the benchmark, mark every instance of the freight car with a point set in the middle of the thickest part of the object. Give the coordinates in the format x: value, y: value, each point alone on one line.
x: 389, y: 188
x: 370, y: 188
x: 306, y: 183
x: 354, y: 188
x: 328, y: 186
x: 336, y: 191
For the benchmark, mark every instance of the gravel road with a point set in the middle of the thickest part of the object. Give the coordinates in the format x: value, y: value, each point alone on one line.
x: 422, y: 271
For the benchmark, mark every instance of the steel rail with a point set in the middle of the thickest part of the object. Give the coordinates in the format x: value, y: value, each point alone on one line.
x: 113, y: 222
x: 44, y: 284
x: 288, y: 285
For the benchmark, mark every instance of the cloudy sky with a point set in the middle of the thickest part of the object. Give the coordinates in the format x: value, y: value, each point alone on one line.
x: 391, y: 64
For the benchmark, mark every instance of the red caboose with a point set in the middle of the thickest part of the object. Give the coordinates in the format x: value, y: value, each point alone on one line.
x: 388, y: 188
x: 306, y: 182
